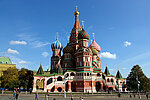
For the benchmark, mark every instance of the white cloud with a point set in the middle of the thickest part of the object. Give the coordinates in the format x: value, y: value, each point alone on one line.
x: 18, y: 42
x: 127, y: 43
x: 11, y: 51
x: 33, y: 40
x: 45, y: 54
x: 22, y: 62
x: 108, y: 55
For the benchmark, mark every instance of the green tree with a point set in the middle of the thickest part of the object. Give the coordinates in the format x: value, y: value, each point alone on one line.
x: 10, y: 78
x: 137, y: 73
x: 26, y: 78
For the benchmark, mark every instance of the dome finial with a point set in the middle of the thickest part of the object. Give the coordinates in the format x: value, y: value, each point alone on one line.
x: 67, y: 39
x: 76, y: 12
x: 82, y: 23
x: 93, y: 35
x: 56, y: 35
x: 76, y: 7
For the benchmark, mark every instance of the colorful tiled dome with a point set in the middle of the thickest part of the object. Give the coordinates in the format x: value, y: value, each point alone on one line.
x: 94, y: 51
x: 95, y: 46
x: 68, y: 49
x: 56, y: 45
x: 83, y: 35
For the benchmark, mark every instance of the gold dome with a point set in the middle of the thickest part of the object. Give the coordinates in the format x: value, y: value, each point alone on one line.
x: 76, y: 13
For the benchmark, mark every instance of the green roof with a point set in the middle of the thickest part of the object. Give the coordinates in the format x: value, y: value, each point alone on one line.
x: 40, y: 70
x: 5, y: 60
x: 118, y: 75
x: 49, y: 69
x: 107, y: 71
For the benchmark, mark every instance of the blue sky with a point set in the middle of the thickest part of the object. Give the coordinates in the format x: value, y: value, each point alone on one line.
x: 121, y: 27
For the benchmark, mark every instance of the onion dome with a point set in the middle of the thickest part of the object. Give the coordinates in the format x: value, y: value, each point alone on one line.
x: 56, y: 45
x: 68, y: 49
x: 76, y: 13
x: 95, y: 46
x: 83, y: 34
x: 94, y: 51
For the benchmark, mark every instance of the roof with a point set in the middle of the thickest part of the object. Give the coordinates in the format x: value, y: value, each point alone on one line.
x: 118, y: 75
x: 106, y: 71
x: 95, y: 46
x: 83, y: 34
x: 5, y: 60
x: 40, y: 70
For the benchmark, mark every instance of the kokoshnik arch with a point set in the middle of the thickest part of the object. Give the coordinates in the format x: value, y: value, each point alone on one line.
x: 78, y: 69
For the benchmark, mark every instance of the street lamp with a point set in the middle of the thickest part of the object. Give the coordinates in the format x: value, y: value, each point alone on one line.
x: 138, y: 85
x: 65, y: 86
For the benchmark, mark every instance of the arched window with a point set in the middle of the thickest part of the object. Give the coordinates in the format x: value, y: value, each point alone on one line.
x: 66, y: 75
x: 108, y: 80
x: 87, y: 74
x: 72, y: 74
x: 59, y: 78
x: 86, y: 63
x: 112, y: 80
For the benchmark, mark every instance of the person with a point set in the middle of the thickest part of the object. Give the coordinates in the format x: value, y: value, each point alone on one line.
x: 147, y: 96
x: 30, y: 91
x: 17, y: 94
x: 130, y: 96
x: 54, y: 99
x: 36, y: 96
x: 71, y: 98
x: 14, y: 94
x: 82, y: 99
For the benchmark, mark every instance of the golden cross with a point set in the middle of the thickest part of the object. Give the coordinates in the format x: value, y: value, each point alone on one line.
x: 67, y: 39
x: 76, y: 8
x: 93, y: 35
x: 82, y: 23
x: 56, y: 35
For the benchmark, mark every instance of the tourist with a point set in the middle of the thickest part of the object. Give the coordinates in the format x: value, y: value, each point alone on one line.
x: 71, y: 98
x: 147, y: 96
x: 17, y: 94
x: 14, y: 94
x: 36, y: 96
x: 54, y: 99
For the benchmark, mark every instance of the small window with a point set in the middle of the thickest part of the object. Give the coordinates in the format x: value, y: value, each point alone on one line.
x: 87, y: 74
x: 112, y: 80
x: 98, y: 74
x: 107, y: 80
x: 72, y: 74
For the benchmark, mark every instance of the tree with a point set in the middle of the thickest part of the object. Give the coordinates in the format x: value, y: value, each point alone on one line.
x: 137, y: 74
x: 26, y: 78
x: 10, y: 78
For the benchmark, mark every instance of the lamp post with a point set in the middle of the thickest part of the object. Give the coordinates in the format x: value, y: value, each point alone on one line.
x: 138, y: 85
x: 64, y: 87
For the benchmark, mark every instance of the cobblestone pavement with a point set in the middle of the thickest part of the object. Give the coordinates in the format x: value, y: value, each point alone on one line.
x: 42, y: 97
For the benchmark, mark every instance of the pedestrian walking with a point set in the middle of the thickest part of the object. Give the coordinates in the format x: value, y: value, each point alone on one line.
x: 14, y: 94
x: 147, y: 96
x: 71, y: 98
x: 17, y: 94
x: 36, y: 96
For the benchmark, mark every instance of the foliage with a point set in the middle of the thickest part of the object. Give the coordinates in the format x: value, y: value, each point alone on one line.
x: 10, y: 78
x: 137, y: 73
x: 14, y: 78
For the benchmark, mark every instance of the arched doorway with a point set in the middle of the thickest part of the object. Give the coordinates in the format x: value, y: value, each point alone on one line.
x: 98, y: 85
x: 59, y: 78
x: 59, y: 89
x: 66, y: 87
x: 52, y: 90
x: 40, y: 84
x: 73, y: 85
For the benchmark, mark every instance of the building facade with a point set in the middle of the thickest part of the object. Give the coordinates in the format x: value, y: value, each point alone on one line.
x: 5, y: 63
x: 78, y: 69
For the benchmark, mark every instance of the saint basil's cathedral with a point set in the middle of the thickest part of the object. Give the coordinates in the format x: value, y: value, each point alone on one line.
x: 78, y: 69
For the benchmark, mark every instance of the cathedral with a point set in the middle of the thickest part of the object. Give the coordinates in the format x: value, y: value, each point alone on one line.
x: 78, y: 69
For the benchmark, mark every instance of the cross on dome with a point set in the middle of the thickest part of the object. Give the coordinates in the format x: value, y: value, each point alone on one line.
x: 56, y: 35
x: 67, y: 39
x: 93, y: 35
x: 82, y: 23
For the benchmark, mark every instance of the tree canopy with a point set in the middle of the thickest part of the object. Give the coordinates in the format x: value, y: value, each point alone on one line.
x: 14, y: 78
x: 137, y: 74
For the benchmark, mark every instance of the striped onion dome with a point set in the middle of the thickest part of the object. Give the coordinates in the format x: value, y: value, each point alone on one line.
x: 95, y: 46
x: 68, y: 49
x: 56, y: 45
x: 83, y: 34
x: 94, y: 51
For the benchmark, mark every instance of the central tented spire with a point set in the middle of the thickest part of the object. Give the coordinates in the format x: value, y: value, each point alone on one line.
x: 76, y: 24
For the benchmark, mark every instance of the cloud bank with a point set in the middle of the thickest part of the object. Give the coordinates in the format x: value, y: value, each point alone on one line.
x: 18, y: 42
x: 11, y: 51
x: 108, y: 55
